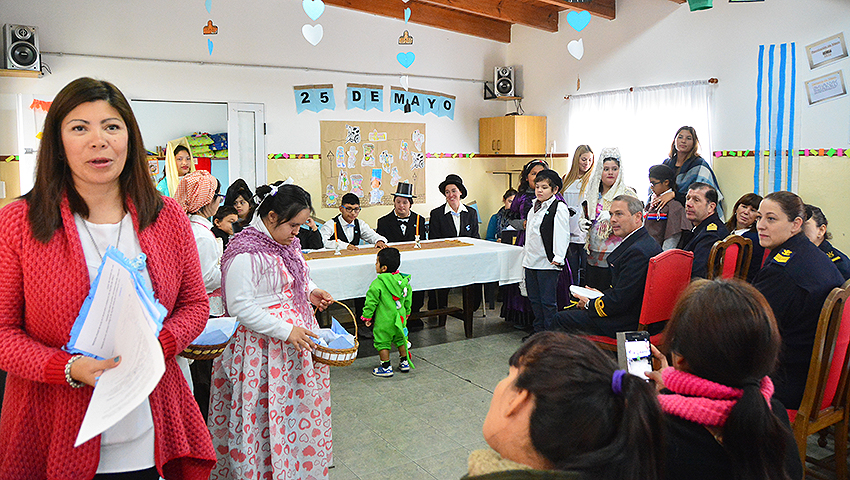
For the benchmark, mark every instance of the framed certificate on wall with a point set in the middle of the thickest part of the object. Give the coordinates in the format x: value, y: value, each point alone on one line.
x: 826, y: 87
x: 826, y: 51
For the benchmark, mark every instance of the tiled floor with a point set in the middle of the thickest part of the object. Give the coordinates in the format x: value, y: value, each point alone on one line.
x: 423, y: 424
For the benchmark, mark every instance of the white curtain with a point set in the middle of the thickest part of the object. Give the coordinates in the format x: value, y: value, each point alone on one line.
x: 642, y: 122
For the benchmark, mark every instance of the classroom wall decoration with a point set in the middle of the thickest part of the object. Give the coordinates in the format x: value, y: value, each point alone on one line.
x: 422, y: 102
x: 314, y: 98
x: 369, y: 159
x: 314, y: 9
x: 209, y: 28
x: 364, y: 97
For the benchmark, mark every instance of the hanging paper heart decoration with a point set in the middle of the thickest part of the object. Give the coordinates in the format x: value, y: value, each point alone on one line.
x: 576, y: 48
x: 313, y: 34
x: 313, y: 8
x: 405, y: 82
x: 577, y: 20
x: 405, y: 1
x: 406, y: 14
x: 208, y: 4
x: 406, y: 59
x: 209, y: 45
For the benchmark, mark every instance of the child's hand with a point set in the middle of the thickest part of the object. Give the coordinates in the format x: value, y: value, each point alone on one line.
x: 321, y: 299
x: 368, y: 323
x: 299, y: 337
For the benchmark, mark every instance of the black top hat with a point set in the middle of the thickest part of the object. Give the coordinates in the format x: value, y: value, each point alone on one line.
x: 404, y: 190
x: 452, y: 179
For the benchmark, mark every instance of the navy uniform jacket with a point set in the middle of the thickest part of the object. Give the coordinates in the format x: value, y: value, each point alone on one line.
x: 619, y: 307
x: 758, y: 254
x: 441, y: 224
x: 838, y: 258
x: 796, y: 279
x: 389, y: 227
x: 700, y: 242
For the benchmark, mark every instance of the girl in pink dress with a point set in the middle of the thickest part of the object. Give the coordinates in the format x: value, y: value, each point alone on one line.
x: 270, y: 404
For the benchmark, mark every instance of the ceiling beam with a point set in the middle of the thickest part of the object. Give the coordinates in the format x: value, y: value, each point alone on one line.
x: 434, y: 16
x: 603, y: 8
x: 535, y: 15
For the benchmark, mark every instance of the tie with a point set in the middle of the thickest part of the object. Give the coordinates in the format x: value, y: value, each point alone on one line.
x: 537, y: 206
x: 456, y: 214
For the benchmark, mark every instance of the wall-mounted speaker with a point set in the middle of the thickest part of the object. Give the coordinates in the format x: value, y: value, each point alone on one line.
x: 504, y: 82
x: 20, y: 48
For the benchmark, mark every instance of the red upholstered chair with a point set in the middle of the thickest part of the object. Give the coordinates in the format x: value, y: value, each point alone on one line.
x: 825, y: 400
x: 668, y: 275
x: 730, y: 258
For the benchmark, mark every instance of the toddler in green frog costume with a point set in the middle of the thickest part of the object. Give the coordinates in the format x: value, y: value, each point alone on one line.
x: 388, y: 306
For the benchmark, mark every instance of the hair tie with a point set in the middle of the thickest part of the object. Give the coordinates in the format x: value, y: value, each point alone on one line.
x: 272, y: 192
x: 617, y: 382
x: 751, y: 382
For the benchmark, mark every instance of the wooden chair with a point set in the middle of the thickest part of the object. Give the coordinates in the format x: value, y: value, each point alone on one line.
x: 825, y: 400
x: 668, y: 275
x: 730, y: 258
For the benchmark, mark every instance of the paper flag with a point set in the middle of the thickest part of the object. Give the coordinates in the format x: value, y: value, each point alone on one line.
x: 210, y: 45
x: 313, y: 34
x: 830, y: 152
x: 576, y: 48
x: 578, y: 20
x: 313, y: 8
x: 406, y: 14
x: 406, y: 59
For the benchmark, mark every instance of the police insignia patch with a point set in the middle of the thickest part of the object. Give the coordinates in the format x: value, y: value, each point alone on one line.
x: 712, y: 227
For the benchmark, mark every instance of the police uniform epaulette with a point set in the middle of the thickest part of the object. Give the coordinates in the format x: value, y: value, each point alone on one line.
x: 832, y: 256
x: 783, y: 256
x: 599, y: 304
x: 712, y: 227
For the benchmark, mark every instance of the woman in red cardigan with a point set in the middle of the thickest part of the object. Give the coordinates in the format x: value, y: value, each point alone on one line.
x: 91, y: 185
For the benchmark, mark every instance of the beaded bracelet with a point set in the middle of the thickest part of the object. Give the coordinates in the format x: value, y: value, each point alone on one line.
x: 73, y: 383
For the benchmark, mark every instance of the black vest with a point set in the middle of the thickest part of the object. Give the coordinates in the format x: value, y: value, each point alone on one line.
x: 341, y: 231
x: 547, y: 229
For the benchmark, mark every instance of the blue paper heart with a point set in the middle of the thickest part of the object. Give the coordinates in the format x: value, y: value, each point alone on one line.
x: 313, y: 8
x: 406, y: 59
x: 578, y: 20
x: 210, y: 45
x: 406, y: 14
x: 208, y: 4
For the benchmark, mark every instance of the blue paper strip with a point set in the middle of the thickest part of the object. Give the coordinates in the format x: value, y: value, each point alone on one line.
x: 791, y: 113
x: 780, y: 117
x: 355, y: 98
x: 770, y: 113
x: 759, y: 88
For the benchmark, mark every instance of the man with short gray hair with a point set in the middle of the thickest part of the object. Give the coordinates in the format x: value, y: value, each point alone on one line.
x: 618, y: 309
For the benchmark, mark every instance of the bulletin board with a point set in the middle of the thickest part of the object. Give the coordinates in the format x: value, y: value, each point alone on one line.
x: 369, y: 159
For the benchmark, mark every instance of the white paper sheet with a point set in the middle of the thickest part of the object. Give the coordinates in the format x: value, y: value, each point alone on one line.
x: 123, y: 388
x: 585, y: 292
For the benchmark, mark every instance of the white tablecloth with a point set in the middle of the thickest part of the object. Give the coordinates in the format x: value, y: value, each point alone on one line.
x: 350, y: 277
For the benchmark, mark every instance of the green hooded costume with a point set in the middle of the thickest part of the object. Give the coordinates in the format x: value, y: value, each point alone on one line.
x: 388, y: 306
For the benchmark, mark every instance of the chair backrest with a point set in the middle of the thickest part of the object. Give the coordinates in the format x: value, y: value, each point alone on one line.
x: 730, y: 257
x: 668, y: 275
x: 827, y: 383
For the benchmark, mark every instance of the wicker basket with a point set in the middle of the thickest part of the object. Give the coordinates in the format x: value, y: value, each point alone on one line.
x: 341, y: 357
x: 204, y: 352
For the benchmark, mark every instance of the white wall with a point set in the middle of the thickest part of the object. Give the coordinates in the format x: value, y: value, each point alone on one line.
x: 658, y: 41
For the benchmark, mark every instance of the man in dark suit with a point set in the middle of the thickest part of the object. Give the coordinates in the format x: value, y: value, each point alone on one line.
x: 618, y: 309
x: 402, y: 225
x: 701, y: 210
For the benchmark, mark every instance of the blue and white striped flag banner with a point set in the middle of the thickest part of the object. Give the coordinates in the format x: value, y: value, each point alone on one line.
x: 777, y: 159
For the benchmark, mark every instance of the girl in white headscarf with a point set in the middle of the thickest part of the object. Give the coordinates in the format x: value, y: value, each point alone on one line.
x: 606, y: 183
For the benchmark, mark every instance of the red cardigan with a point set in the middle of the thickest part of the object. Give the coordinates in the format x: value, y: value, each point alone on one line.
x: 42, y: 287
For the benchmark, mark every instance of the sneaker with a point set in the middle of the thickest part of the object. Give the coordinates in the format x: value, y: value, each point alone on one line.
x: 404, y: 366
x: 383, y: 372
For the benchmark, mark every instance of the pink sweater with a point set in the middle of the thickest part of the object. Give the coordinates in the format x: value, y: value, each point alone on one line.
x: 42, y: 288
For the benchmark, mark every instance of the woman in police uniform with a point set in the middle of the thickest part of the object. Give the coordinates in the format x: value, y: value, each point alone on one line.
x: 795, y: 279
x: 816, y: 229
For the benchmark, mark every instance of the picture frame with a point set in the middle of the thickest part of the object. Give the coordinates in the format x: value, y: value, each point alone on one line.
x: 826, y: 51
x: 826, y: 87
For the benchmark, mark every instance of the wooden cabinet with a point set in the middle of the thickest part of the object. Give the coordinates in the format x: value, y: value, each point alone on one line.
x: 512, y: 135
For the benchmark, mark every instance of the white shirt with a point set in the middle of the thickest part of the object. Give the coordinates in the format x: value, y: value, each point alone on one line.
x: 248, y: 295
x: 209, y: 251
x: 455, y: 215
x: 128, y: 445
x: 534, y: 254
x: 366, y: 233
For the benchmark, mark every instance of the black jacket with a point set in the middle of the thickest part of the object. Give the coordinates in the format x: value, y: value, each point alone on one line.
x: 629, y: 263
x: 441, y: 224
x: 700, y: 242
x: 389, y: 227
x: 796, y: 279
x: 838, y: 258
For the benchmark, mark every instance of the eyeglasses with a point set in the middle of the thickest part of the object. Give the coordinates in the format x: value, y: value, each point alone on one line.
x: 218, y: 197
x: 654, y: 183
x: 351, y: 209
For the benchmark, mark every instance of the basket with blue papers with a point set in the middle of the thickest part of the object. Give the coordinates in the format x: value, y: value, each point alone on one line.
x: 338, y: 353
x: 213, y: 340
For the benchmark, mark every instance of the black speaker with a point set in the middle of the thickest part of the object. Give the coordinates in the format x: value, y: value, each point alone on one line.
x: 504, y: 80
x: 20, y: 48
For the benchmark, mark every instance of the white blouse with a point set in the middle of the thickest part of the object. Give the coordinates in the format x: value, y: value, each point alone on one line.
x: 247, y: 296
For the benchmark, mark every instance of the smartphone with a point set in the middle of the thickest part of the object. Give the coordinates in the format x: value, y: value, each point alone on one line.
x: 634, y: 354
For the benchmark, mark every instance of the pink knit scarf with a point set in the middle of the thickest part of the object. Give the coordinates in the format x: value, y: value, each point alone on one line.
x: 702, y: 401
x: 252, y: 241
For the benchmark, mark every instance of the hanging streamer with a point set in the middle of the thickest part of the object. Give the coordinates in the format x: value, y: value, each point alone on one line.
x: 777, y: 166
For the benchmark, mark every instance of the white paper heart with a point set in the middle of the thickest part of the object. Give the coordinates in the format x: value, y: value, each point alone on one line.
x: 313, y: 33
x: 576, y: 48
x: 405, y: 82
x: 405, y: 1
